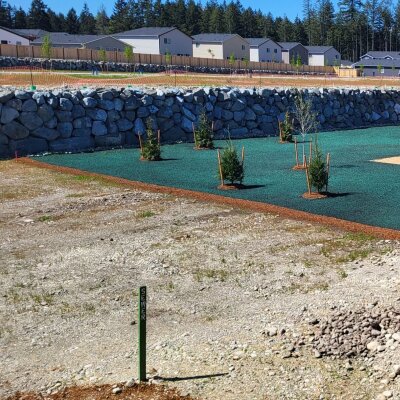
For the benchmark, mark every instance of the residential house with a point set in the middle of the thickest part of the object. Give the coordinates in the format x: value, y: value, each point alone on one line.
x: 157, y: 41
x: 378, y: 67
x: 388, y: 55
x: 94, y: 42
x: 11, y: 36
x: 319, y: 56
x: 264, y: 50
x: 220, y: 46
x: 292, y: 50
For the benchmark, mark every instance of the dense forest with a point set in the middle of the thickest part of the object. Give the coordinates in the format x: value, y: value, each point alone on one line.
x: 353, y: 27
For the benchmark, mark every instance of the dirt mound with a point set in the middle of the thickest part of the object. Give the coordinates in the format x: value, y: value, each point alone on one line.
x: 103, y: 392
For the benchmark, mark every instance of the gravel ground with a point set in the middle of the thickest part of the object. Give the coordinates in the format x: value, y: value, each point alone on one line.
x: 229, y: 293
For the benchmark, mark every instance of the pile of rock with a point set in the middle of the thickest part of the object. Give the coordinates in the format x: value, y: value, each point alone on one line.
x: 348, y: 333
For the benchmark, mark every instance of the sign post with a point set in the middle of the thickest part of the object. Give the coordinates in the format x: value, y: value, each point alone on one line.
x: 142, y: 334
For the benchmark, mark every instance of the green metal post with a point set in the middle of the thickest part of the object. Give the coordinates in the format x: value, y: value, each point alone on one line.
x: 142, y: 334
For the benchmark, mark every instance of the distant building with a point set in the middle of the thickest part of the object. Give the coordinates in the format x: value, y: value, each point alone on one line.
x: 378, y: 67
x: 320, y: 56
x: 157, y: 41
x: 379, y: 55
x: 94, y: 42
x: 220, y: 46
x: 15, y: 37
x: 264, y: 50
x: 292, y: 50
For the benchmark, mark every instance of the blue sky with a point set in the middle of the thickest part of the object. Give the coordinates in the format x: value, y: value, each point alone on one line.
x: 291, y: 8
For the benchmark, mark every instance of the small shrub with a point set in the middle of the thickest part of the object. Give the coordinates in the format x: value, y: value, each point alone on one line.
x: 286, y: 129
x: 317, y: 170
x: 151, y: 149
x: 232, y: 167
x: 203, y: 135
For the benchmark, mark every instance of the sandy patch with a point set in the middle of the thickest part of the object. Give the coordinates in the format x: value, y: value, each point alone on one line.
x: 390, y: 160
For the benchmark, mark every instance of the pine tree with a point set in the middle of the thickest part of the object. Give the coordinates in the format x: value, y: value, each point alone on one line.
x: 232, y: 18
x: 38, y: 16
x: 57, y: 21
x: 102, y: 21
x: 20, y: 19
x: 71, y: 22
x: 87, y: 22
x: 5, y: 16
x: 119, y: 21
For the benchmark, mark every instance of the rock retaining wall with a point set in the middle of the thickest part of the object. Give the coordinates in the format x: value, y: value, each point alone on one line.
x: 65, y: 121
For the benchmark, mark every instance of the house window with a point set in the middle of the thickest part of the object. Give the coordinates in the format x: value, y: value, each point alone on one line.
x: 243, y: 47
x: 4, y: 42
x: 336, y: 56
x: 18, y: 43
x: 197, y: 44
x: 167, y: 41
x: 267, y: 49
x: 276, y: 51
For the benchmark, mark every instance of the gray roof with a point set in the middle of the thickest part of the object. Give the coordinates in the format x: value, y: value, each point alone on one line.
x: 318, y: 49
x: 257, y: 42
x: 30, y: 32
x: 375, y: 62
x: 66, y: 38
x: 289, y: 45
x: 149, y: 32
x: 383, y: 54
x: 213, y: 37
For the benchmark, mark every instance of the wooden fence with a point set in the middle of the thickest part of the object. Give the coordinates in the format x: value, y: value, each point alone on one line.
x: 69, y: 53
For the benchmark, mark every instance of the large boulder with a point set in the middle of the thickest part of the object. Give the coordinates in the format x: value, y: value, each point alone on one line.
x: 8, y: 114
x: 45, y: 112
x: 29, y: 105
x: 14, y: 130
x: 124, y: 124
x: 65, y: 129
x: 45, y: 133
x: 89, y: 102
x: 99, y: 128
x: 97, y: 115
x: 28, y: 146
x: 31, y: 120
x: 66, y: 104
x: 84, y: 122
x: 139, y: 127
x: 72, y: 144
x: 109, y: 140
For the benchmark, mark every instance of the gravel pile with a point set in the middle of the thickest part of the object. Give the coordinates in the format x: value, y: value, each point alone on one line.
x: 349, y: 333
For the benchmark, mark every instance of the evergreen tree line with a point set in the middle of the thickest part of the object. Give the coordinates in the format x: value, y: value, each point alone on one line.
x: 354, y: 27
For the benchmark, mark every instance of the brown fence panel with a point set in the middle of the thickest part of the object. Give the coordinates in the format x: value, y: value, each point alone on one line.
x: 84, y: 54
x: 8, y: 50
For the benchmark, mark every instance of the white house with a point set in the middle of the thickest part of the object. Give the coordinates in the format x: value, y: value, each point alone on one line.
x: 319, y: 56
x: 264, y: 50
x: 8, y: 36
x: 157, y: 41
x: 381, y: 55
x: 220, y: 46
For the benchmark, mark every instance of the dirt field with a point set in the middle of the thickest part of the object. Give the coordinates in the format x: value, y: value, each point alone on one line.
x: 57, y: 79
x: 229, y: 293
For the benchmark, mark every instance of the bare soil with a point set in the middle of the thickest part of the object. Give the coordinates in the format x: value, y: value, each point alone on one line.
x: 229, y: 290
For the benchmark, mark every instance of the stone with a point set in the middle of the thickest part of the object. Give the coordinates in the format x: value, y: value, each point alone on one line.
x: 8, y: 114
x: 72, y: 144
x: 28, y: 146
x: 3, y: 139
x: 51, y: 123
x: 109, y: 140
x: 239, y: 132
x: 65, y: 129
x: 45, y: 112
x: 165, y: 112
x: 139, y: 127
x: 106, y: 95
x: 132, y: 103
x: 187, y: 125
x: 31, y: 120
x: 66, y: 104
x: 29, y: 105
x: 397, y: 108
x: 188, y: 114
x: 117, y: 390
x: 45, y: 133
x: 375, y: 116
x: 22, y: 95
x: 84, y: 122
x: 317, y: 354
x: 250, y: 115
x: 14, y: 130
x: 106, y: 105
x: 82, y: 132
x: 396, y: 336
x: 372, y: 346
x: 238, y: 105
x: 89, y: 102
x: 97, y: 114
x: 64, y: 116
x: 99, y: 128
x: 6, y: 96
x: 142, y: 112
x: 118, y: 104
x: 153, y: 109
x: 238, y: 116
x: 124, y: 124
x: 147, y: 100
x: 258, y: 109
x: 78, y: 111
x: 226, y: 115
x: 15, y: 103
x: 272, y: 331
